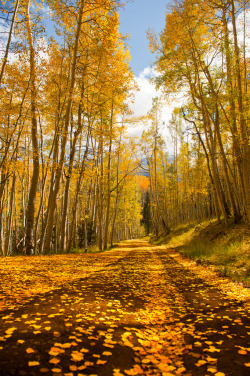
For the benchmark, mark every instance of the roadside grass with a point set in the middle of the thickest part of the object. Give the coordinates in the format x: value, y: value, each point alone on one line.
x: 227, y: 249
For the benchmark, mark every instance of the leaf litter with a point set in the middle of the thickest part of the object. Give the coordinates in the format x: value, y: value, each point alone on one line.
x: 142, y: 310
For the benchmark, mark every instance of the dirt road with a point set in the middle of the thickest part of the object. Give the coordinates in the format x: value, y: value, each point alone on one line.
x: 146, y: 313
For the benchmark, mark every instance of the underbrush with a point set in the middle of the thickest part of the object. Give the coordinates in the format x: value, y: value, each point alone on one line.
x: 228, y: 249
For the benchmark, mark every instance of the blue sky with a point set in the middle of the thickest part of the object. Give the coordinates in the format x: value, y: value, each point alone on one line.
x: 137, y: 17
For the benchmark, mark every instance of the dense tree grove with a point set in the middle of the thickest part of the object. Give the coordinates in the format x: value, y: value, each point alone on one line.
x: 67, y: 172
x: 202, y: 53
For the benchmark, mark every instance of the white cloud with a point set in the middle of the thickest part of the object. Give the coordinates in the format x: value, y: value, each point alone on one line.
x: 143, y: 103
x: 143, y: 97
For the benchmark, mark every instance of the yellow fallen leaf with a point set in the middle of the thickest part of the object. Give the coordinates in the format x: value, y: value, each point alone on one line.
x: 179, y: 371
x: 47, y: 328
x: 198, y: 344
x: 212, y: 349
x: 220, y: 374
x: 106, y: 353
x: 53, y: 353
x: 77, y: 357
x: 66, y: 345
x: 130, y: 372
x: 81, y: 368
x: 242, y: 352
x: 88, y: 364
x: 54, y: 361
x: 20, y: 341
x: 99, y: 361
x: 33, y: 363
x: 84, y: 350
x: 212, y: 370
x: 56, y: 370
x: 73, y: 368
x: 200, y: 363
x: 211, y: 360
x: 29, y: 350
x: 10, y: 331
x: 247, y: 364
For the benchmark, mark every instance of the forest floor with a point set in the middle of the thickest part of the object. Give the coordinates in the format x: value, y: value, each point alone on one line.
x: 137, y: 309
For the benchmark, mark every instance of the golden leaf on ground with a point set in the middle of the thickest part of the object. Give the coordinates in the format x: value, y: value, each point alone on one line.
x: 179, y: 371
x: 99, y: 361
x: 212, y: 369
x: 247, y: 364
x: 212, y: 349
x: 73, y: 368
x: 29, y: 350
x: 242, y: 352
x: 53, y: 353
x: 83, y: 350
x: 54, y: 361
x: 166, y: 368
x: 56, y: 370
x: 33, y: 363
x: 220, y: 374
x: 198, y: 344
x: 88, y: 364
x: 106, y: 353
x: 211, y: 360
x: 200, y: 363
x: 66, y: 345
x: 81, y: 368
x: 146, y: 361
x: 10, y: 331
x: 130, y: 372
x: 77, y: 357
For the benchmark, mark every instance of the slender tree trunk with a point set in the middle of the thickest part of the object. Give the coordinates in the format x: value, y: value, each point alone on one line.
x: 30, y: 215
x: 105, y: 242
x: 10, y: 215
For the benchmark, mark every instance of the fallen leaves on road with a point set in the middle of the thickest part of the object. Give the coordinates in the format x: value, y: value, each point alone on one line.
x: 130, y: 311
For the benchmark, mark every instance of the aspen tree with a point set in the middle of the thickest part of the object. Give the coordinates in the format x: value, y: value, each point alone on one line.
x: 30, y: 215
